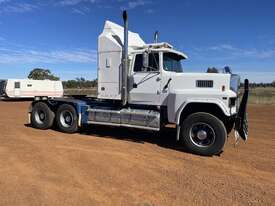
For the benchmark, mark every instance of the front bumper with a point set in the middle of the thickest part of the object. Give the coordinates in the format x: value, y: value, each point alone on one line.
x: 241, y: 123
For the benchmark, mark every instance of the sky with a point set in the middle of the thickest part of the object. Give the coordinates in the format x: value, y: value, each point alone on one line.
x: 61, y: 35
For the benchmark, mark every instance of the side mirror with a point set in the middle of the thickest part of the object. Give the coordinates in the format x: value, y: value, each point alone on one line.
x: 145, y: 58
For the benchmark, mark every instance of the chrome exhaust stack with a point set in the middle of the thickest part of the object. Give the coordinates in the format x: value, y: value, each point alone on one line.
x: 125, y: 61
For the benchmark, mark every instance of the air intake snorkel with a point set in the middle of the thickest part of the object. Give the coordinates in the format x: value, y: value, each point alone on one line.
x: 156, y: 37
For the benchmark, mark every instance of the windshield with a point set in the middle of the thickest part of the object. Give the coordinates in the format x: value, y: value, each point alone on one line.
x: 172, y: 62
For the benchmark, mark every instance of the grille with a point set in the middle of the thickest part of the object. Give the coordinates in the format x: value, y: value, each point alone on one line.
x: 204, y: 83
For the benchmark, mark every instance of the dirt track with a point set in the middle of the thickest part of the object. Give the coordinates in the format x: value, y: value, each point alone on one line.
x: 112, y: 166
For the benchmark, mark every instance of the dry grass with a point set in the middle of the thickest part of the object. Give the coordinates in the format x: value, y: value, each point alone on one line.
x: 262, y: 95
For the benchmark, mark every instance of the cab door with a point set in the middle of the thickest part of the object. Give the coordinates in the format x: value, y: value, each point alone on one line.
x: 145, y: 83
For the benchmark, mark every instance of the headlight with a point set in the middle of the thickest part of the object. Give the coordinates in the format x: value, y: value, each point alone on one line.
x: 235, y: 83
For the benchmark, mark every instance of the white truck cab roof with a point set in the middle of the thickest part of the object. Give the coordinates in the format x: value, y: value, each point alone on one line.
x: 115, y: 34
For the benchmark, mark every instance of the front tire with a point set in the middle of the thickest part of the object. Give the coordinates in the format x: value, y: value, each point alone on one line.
x: 42, y: 116
x: 66, y: 119
x: 203, y: 134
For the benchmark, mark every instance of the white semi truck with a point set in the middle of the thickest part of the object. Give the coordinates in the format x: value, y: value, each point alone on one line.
x: 30, y: 89
x: 144, y: 86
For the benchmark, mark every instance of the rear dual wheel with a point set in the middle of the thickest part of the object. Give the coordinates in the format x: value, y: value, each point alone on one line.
x: 42, y: 116
x: 66, y: 119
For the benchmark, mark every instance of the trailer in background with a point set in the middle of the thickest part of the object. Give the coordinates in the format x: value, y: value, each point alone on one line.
x: 28, y: 88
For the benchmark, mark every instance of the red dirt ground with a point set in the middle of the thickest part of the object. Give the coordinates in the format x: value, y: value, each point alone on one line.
x: 114, y: 166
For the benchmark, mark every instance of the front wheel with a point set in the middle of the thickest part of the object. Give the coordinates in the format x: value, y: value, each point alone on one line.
x: 66, y: 119
x: 203, y: 134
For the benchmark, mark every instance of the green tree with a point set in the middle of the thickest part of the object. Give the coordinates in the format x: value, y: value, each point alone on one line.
x: 212, y: 70
x: 42, y: 74
x: 80, y: 83
x: 273, y: 84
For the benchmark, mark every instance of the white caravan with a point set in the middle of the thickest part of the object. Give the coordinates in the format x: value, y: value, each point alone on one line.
x: 28, y: 88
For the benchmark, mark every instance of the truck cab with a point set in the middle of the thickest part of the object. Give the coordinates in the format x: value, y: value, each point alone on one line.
x: 144, y: 86
x: 151, y: 73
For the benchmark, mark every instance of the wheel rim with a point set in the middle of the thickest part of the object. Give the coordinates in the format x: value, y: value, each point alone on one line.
x: 66, y: 119
x: 202, y: 135
x: 40, y: 116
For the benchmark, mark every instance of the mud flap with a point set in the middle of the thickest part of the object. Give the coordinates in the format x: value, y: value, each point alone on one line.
x: 241, y: 123
x: 30, y: 114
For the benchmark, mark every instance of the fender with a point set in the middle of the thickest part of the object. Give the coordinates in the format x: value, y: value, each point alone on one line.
x: 217, y: 102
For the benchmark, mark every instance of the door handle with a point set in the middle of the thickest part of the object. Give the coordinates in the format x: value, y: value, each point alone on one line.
x: 135, y: 85
x: 158, y: 79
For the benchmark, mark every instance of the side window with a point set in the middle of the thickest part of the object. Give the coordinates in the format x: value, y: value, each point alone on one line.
x: 153, y: 63
x: 138, y: 63
x: 167, y: 63
x: 16, y: 85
